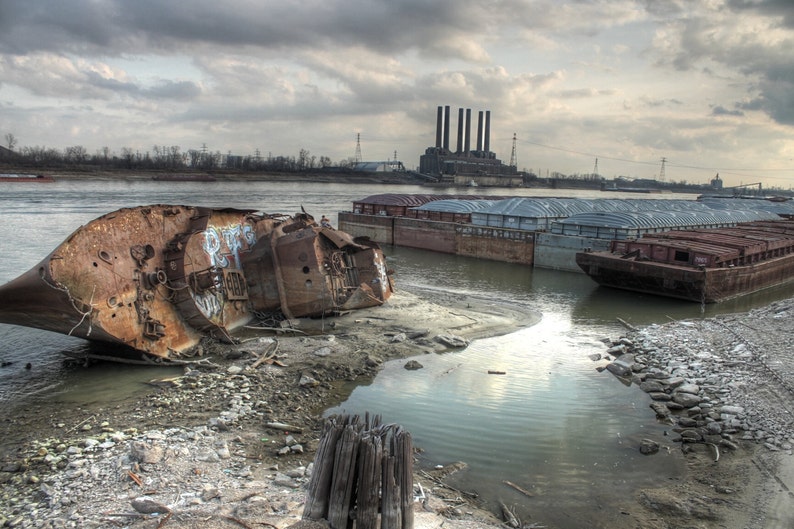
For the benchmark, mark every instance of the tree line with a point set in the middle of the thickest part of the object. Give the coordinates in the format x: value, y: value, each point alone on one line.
x: 163, y: 157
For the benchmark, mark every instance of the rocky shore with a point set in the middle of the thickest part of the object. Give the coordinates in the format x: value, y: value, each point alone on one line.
x: 230, y: 442
x: 725, y: 385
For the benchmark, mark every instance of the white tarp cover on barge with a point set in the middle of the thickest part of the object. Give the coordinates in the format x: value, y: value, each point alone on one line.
x: 632, y: 224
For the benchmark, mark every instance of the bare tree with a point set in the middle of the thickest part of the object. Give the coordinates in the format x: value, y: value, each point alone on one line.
x: 11, y: 141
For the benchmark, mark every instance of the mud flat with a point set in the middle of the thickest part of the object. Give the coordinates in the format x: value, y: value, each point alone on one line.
x: 230, y: 442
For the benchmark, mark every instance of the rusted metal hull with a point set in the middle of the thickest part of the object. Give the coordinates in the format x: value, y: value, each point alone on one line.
x: 157, y: 279
x: 707, y: 266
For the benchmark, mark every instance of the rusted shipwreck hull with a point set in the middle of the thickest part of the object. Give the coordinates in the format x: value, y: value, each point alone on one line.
x: 157, y: 279
x: 706, y: 266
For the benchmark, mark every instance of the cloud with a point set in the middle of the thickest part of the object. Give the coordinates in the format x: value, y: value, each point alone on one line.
x: 750, y: 39
x: 630, y: 78
x: 720, y: 110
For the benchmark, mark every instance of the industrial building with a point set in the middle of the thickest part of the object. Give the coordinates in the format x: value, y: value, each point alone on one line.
x: 465, y: 165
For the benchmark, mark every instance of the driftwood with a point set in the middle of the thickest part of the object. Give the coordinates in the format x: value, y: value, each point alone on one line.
x: 268, y: 356
x: 284, y: 427
x: 361, y: 469
x: 519, y: 489
x: 509, y: 516
x: 627, y: 324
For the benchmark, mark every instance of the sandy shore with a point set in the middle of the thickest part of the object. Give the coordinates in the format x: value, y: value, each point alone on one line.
x: 200, y: 449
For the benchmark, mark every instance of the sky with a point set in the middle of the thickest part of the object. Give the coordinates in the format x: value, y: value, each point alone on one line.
x: 706, y: 85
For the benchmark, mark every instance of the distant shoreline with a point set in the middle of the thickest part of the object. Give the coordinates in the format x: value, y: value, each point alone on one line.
x: 220, y: 176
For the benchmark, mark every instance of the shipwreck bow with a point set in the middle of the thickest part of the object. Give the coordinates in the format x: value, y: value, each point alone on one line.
x: 157, y: 279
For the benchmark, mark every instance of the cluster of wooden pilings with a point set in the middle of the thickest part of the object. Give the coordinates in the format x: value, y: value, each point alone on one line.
x: 363, y: 473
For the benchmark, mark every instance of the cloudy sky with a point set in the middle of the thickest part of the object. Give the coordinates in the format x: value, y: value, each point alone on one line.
x: 706, y: 84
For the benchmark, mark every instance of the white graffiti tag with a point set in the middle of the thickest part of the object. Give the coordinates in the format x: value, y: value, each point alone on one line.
x: 224, y: 245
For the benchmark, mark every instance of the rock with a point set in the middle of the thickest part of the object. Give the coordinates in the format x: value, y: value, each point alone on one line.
x: 694, y: 389
x: 398, y: 338
x: 297, y: 472
x: 322, y: 351
x: 648, y: 447
x: 413, y: 365
x: 223, y: 451
x: 218, y: 423
x: 283, y: 480
x: 373, y: 361
x: 451, y: 340
x: 652, y: 386
x: 207, y: 455
x: 691, y: 436
x: 308, y: 382
x: 731, y: 410
x: 235, y: 370
x: 675, y: 382
x: 144, y: 452
x: 210, y: 492
x: 686, y: 400
x: 148, y: 506
x: 713, y: 428
x: 662, y: 411
x: 618, y: 369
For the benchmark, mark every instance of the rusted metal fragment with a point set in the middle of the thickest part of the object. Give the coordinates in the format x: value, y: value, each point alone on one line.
x: 157, y: 279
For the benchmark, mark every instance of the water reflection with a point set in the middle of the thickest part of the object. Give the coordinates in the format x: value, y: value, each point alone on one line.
x: 551, y: 424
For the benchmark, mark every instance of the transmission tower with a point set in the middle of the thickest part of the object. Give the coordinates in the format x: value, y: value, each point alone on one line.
x: 661, y: 171
x: 358, y: 148
x: 513, y: 162
x: 595, y: 169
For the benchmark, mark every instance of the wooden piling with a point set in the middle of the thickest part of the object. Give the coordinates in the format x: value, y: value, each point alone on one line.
x: 363, y: 470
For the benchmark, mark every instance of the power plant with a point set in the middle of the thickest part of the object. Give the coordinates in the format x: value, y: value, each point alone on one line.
x: 466, y: 166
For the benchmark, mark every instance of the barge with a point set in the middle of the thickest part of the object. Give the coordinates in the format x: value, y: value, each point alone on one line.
x: 153, y: 281
x: 183, y: 178
x: 17, y: 177
x: 705, y: 266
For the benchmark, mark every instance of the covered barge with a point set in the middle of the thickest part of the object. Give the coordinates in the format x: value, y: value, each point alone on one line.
x: 706, y: 266
x: 535, y: 231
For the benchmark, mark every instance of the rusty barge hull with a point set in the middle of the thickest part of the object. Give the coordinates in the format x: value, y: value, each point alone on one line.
x: 705, y: 266
x: 157, y: 279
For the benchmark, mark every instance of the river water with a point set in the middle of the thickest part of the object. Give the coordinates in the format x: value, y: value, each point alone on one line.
x: 552, y: 424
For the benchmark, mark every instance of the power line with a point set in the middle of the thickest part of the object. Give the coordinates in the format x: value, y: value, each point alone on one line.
x: 732, y: 171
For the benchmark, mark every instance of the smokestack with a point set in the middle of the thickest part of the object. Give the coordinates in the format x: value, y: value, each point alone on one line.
x: 479, y: 131
x: 439, y: 121
x: 487, y: 146
x: 460, y: 130
x: 446, y: 127
x: 468, y: 131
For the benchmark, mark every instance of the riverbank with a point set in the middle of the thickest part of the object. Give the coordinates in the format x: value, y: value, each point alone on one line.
x: 164, y: 176
x: 725, y: 386
x: 230, y: 443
